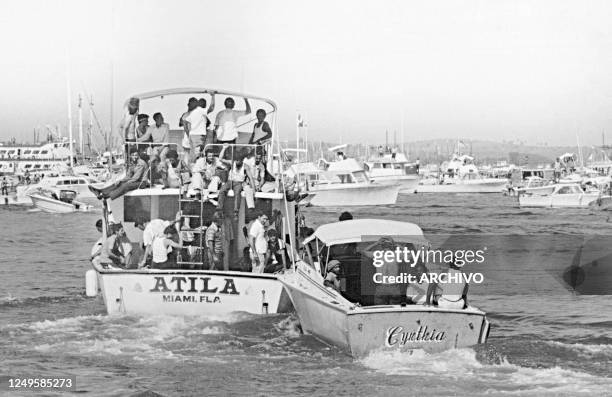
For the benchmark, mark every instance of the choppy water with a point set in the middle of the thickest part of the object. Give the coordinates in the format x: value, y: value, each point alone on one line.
x: 553, y: 343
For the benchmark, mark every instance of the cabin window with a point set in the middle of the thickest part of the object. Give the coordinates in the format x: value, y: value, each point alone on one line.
x: 37, y: 166
x: 28, y: 166
x: 44, y: 152
x: 82, y: 182
x: 27, y: 151
x: 135, y: 207
x: 360, y: 177
x: 35, y: 151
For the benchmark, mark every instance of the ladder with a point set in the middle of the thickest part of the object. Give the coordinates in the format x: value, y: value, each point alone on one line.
x: 191, y: 209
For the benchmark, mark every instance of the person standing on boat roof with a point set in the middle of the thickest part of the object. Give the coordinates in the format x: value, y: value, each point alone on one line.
x: 262, y: 132
x: 143, y: 133
x: 226, y: 121
x: 257, y: 241
x: 135, y: 178
x: 127, y: 126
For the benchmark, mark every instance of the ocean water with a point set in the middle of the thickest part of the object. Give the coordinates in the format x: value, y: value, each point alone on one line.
x: 543, y: 341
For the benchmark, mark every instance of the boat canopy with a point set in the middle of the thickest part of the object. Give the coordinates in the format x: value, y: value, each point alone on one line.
x: 302, y: 169
x: 347, y: 165
x: 197, y: 90
x: 358, y: 230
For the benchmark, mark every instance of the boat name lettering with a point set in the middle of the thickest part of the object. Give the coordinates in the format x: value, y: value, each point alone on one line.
x: 191, y: 298
x: 194, y: 284
x: 398, y: 336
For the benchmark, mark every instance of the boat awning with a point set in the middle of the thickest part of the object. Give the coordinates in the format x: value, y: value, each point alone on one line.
x: 348, y: 165
x: 200, y: 91
x: 358, y: 230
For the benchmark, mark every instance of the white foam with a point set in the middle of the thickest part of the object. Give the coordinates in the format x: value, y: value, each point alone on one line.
x: 290, y: 327
x: 462, y: 364
x: 585, y: 349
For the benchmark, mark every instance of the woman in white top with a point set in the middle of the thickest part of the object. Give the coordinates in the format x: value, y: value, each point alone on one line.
x: 162, y: 245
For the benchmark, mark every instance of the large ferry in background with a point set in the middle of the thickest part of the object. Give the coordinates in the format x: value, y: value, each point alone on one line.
x: 34, y: 159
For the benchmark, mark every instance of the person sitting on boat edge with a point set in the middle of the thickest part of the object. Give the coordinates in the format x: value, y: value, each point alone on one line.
x: 237, y: 181
x: 112, y: 249
x: 174, y: 172
x: 449, y: 295
x: 135, y: 178
x: 226, y: 129
x: 331, y: 278
x: 205, y: 178
x: 96, y: 250
x: 162, y: 245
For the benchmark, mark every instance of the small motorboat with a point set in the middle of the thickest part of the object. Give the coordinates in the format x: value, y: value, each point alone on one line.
x: 563, y: 195
x: 349, y: 318
x: 58, y: 201
x: 534, y: 185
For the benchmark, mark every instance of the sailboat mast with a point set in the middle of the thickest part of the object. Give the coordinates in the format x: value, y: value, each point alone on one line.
x: 68, y: 98
x: 81, y: 143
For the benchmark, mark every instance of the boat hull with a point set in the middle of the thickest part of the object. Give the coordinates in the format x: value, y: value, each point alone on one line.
x: 190, y: 292
x: 475, y: 186
x: 50, y: 205
x: 361, y: 330
x: 562, y: 200
x: 408, y: 183
x: 353, y: 195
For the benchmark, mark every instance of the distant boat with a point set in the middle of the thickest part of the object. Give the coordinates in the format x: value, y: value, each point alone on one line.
x: 460, y: 175
x: 342, y: 183
x: 58, y: 201
x: 390, y: 169
x: 563, y: 195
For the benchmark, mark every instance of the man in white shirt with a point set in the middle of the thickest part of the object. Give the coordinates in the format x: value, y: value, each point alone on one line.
x: 151, y: 229
x: 257, y: 241
x: 226, y: 126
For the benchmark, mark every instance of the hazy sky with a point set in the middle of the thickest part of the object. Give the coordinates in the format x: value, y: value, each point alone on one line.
x: 532, y: 70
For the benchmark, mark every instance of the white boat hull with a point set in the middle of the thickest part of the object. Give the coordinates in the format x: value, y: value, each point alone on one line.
x: 541, y: 191
x: 469, y: 186
x: 582, y: 200
x: 50, y: 205
x: 407, y: 183
x: 353, y: 194
x: 361, y: 330
x: 190, y: 292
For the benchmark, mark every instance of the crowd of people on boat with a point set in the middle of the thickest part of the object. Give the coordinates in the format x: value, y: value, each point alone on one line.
x: 210, y: 163
x: 170, y: 244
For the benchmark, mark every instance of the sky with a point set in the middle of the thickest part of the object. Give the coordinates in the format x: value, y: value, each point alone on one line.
x: 483, y: 70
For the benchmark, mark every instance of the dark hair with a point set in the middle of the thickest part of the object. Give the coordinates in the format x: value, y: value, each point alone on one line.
x: 141, y: 220
x: 156, y: 115
x: 116, y: 227
x: 260, y: 111
x: 246, y: 251
x: 172, y: 154
x: 134, y: 150
x: 192, y: 99
x: 143, y: 116
x: 272, y: 233
x: 345, y: 216
x: 170, y: 230
x: 308, y: 231
x: 202, y: 102
x: 99, y: 223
